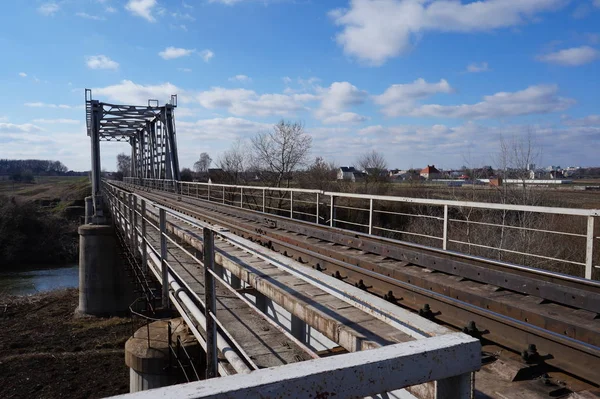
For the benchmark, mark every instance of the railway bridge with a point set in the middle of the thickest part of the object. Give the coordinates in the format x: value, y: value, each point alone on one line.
x: 289, y: 292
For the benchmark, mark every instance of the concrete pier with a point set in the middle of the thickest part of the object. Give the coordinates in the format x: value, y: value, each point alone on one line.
x: 147, y: 355
x: 105, y: 288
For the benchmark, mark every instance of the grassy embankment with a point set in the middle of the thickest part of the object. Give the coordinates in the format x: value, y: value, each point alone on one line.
x: 38, y: 221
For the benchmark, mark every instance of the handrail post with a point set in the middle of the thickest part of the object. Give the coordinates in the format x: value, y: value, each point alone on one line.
x: 589, y: 248
x: 211, y: 307
x: 241, y: 197
x: 317, y: 211
x: 264, y: 197
x: 144, y: 248
x: 332, y: 213
x: 370, y: 216
x: 163, y: 257
x: 223, y: 194
x: 445, y: 233
x: 291, y: 204
x: 135, y: 223
x: 130, y: 206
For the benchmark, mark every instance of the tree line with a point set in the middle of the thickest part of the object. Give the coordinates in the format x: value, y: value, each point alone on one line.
x: 26, y: 169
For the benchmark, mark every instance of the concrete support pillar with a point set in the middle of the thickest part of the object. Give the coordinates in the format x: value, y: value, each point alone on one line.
x: 89, y: 209
x: 150, y: 362
x: 298, y: 329
x: 104, y: 287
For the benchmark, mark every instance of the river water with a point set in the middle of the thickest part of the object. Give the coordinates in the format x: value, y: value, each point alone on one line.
x: 31, y: 279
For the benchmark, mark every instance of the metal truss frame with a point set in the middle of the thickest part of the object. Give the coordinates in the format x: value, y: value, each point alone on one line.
x: 150, y: 130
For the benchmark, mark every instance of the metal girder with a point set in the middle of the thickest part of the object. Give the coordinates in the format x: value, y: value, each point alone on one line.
x: 150, y: 130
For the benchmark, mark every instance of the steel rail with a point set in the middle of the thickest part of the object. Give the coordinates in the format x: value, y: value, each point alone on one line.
x: 581, y: 360
x: 486, y: 270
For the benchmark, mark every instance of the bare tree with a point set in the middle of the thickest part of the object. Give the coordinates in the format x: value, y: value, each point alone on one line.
x: 282, y: 150
x: 234, y: 161
x: 516, y: 155
x: 124, y: 164
x: 373, y: 163
x: 202, y: 164
x: 319, y: 175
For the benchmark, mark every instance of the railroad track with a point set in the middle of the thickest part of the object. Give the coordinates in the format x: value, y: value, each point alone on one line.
x: 550, y: 319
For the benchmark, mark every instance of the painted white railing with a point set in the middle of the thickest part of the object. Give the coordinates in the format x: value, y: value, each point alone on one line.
x: 559, y: 239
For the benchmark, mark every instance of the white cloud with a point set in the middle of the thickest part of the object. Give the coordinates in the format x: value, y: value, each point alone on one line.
x: 340, y: 95
x: 57, y: 121
x: 475, y: 67
x: 240, y: 78
x: 574, y: 56
x: 540, y: 99
x: 22, y: 74
x: 101, y: 62
x: 110, y: 9
x: 89, y: 16
x: 226, y: 2
x: 374, y: 31
x: 48, y: 9
x: 335, y: 99
x: 184, y: 69
x: 344, y: 118
x: 128, y: 92
x: 185, y: 16
x: 286, y: 80
x: 243, y: 102
x: 16, y: 128
x: 220, y: 128
x: 590, y: 120
x: 207, y: 55
x: 46, y: 105
x: 398, y: 99
x: 142, y: 8
x: 175, y: 52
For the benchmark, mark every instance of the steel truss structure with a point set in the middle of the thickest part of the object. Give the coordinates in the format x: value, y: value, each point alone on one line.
x: 150, y: 130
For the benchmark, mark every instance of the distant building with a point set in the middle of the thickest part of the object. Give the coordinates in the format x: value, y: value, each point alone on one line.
x: 495, y: 181
x: 346, y: 173
x: 350, y: 173
x: 430, y: 172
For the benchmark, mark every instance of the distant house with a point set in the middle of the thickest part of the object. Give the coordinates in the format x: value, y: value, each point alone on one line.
x: 350, y: 173
x: 430, y: 172
x: 346, y: 173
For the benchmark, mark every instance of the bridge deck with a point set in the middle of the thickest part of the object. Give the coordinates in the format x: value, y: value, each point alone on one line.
x: 339, y: 321
x: 265, y: 345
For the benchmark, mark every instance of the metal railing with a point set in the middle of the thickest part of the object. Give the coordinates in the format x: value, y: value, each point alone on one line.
x: 127, y: 210
x: 562, y: 240
x: 149, y: 228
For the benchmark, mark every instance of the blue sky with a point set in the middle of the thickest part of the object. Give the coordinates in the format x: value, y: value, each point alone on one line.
x: 422, y: 81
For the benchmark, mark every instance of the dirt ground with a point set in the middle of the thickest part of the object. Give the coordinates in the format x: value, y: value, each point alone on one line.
x: 46, y: 352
